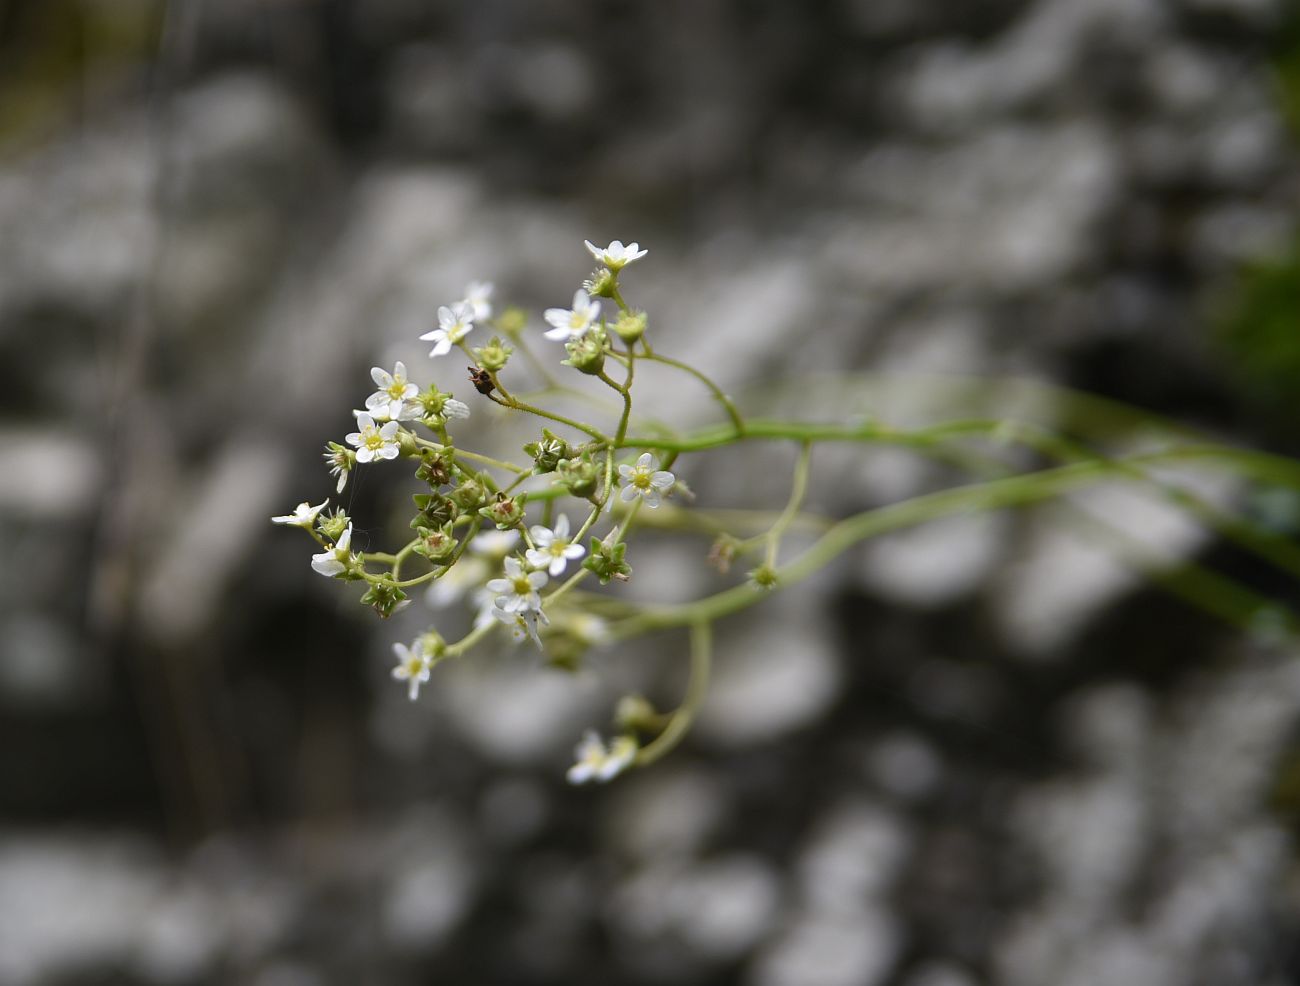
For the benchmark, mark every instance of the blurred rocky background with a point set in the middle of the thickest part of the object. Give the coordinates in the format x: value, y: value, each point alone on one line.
x: 985, y: 751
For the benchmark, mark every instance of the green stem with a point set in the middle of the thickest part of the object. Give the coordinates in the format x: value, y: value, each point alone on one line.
x: 737, y: 422
x: 696, y: 689
x: 797, y: 489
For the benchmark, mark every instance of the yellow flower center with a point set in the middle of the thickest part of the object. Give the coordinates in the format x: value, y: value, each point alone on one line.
x: 577, y: 320
x: 522, y: 586
x: 374, y: 441
x: 397, y: 389
x: 641, y: 480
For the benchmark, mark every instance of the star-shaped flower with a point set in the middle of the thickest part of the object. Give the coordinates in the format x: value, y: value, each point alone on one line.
x: 642, y: 480
x: 395, y: 398
x: 304, y: 515
x: 454, y: 324
x: 336, y: 560
x: 554, y: 549
x: 570, y: 323
x: 616, y: 256
x: 373, y: 442
x: 413, y: 667
x: 596, y: 763
x: 518, y: 590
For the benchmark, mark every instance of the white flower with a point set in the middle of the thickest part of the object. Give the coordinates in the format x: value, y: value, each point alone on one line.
x: 304, y: 515
x: 393, y: 398
x: 616, y: 256
x: 643, y: 481
x: 333, y: 561
x: 372, y: 442
x: 595, y: 763
x: 454, y: 324
x: 569, y: 323
x: 478, y: 296
x: 523, y: 625
x: 413, y: 666
x: 554, y: 549
x: 518, y: 590
x: 494, y: 544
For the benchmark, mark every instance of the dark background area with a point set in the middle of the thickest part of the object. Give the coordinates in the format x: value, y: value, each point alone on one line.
x: 984, y: 751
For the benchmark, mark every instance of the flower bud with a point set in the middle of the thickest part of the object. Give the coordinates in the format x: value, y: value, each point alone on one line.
x: 763, y: 577
x: 547, y: 453
x: 579, y: 476
x: 384, y: 599
x: 436, y: 544
x: 506, y: 511
x: 333, y: 525
x: 469, y: 495
x: 601, y: 284
x: 494, y: 355
x: 630, y: 326
x: 587, y: 353
x: 607, y: 562
x: 435, y: 466
x: 512, y: 321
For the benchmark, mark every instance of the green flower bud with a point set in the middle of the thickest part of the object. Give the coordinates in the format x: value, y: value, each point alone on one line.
x: 764, y: 577
x: 630, y: 326
x: 332, y: 525
x: 512, y: 321
x: 432, y: 644
x: 506, y: 511
x: 494, y: 355
x: 579, y: 476
x: 601, y: 284
x: 634, y: 713
x: 407, y: 445
x: 547, y: 453
x: 384, y: 599
x: 607, y: 562
x: 469, y: 495
x: 587, y: 352
x: 435, y: 510
x: 435, y: 466
x: 436, y: 544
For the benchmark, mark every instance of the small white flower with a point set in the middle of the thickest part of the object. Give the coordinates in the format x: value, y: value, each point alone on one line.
x: 518, y: 590
x: 616, y: 256
x: 454, y: 324
x: 413, y: 667
x: 570, y: 323
x: 494, y: 544
x: 643, y: 481
x: 595, y: 763
x: 523, y: 625
x: 478, y: 295
x: 373, y: 442
x: 336, y: 560
x: 304, y: 515
x: 393, y: 398
x: 554, y: 549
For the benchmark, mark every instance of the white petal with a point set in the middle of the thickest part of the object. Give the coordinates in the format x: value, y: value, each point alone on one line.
x: 557, y: 334
x: 388, y: 452
x: 442, y: 348
x: 399, y: 371
x: 380, y: 376
x: 645, y: 460
x: 455, y: 409
x: 562, y: 527
x: 594, y: 250
x: 557, y: 566
x: 537, y: 558
x: 537, y: 579
x: 541, y: 535
x: 662, y: 480
x: 388, y: 431
x: 629, y: 494
x: 445, y: 318
x: 626, y: 472
x: 365, y: 422
x: 500, y: 585
x: 651, y: 497
x: 365, y: 454
x: 559, y: 317
x: 574, y: 551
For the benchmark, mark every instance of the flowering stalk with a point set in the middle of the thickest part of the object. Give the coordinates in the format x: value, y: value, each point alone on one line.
x: 508, y: 546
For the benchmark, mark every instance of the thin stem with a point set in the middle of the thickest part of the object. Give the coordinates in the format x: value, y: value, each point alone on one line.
x: 696, y: 689
x: 487, y: 460
x: 737, y: 422
x: 797, y: 489
x: 516, y: 404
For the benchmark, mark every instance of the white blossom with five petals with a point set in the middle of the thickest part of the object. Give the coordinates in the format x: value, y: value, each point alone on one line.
x: 518, y: 590
x: 394, y: 399
x: 616, y: 256
x: 304, y: 515
x: 644, y: 481
x: 554, y: 550
x: 413, y: 667
x: 454, y: 324
x: 570, y: 323
x: 372, y: 441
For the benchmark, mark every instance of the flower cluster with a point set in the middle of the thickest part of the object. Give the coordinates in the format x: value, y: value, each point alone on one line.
x: 487, y: 530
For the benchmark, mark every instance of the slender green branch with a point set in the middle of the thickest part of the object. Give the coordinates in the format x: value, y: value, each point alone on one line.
x: 696, y: 689
x: 797, y: 489
x: 737, y: 422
